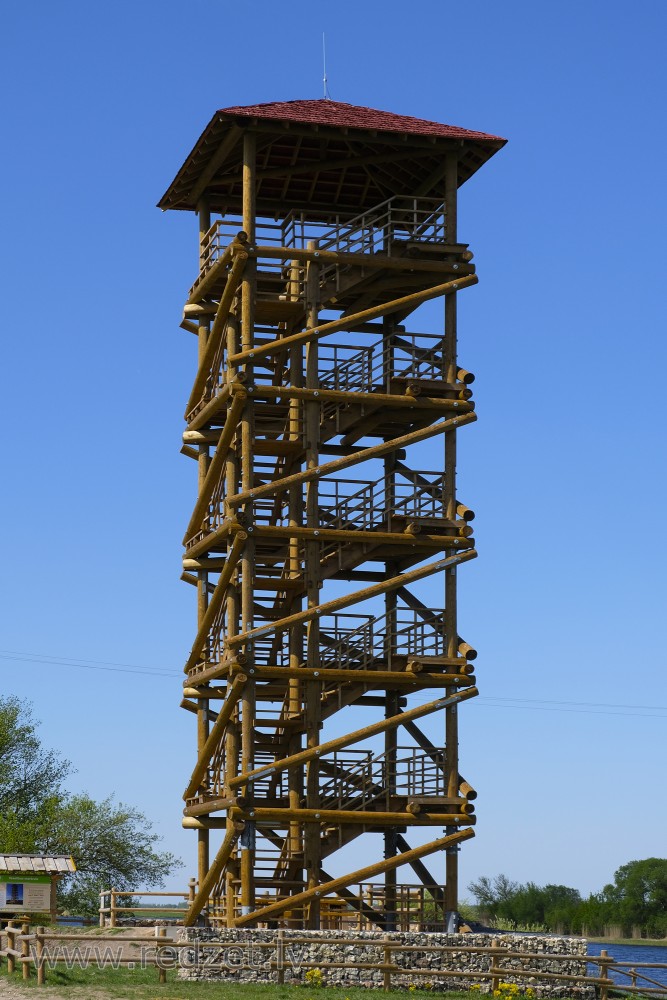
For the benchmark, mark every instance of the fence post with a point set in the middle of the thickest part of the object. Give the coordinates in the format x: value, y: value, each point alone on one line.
x: 192, y: 884
x: 386, y: 952
x: 495, y: 981
x: 604, y: 974
x: 39, y: 956
x: 161, y: 971
x: 280, y: 956
x: 112, y: 916
x: 11, y: 944
x: 102, y: 900
x: 25, y: 950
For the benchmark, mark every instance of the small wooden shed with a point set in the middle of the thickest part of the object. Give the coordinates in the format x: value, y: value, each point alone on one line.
x: 28, y: 882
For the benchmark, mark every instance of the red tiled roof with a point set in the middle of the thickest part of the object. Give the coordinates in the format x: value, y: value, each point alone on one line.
x: 339, y: 115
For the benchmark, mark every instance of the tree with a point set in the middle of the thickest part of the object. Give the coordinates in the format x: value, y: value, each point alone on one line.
x: 529, y: 905
x: 493, y: 895
x: 112, y: 844
x: 29, y: 775
x: 638, y: 894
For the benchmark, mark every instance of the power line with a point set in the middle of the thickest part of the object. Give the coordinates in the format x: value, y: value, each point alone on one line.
x: 591, y: 709
x: 489, y: 701
x: 68, y: 661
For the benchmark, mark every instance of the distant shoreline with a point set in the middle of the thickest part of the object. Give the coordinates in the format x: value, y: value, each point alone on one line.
x: 653, y: 942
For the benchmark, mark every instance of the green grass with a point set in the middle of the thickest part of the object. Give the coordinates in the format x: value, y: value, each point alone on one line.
x: 142, y: 984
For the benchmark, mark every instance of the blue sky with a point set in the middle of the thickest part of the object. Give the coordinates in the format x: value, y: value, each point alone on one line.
x: 565, y: 333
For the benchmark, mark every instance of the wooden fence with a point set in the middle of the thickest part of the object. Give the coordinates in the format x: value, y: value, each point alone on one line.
x: 110, y: 910
x: 33, y: 952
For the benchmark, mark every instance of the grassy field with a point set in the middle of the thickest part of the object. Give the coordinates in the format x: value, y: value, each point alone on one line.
x: 143, y: 985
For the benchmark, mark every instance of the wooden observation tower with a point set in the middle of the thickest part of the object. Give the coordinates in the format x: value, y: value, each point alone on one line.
x: 319, y: 511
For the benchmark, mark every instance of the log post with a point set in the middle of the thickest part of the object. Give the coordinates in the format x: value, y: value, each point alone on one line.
x: 495, y: 966
x: 386, y: 957
x: 604, y: 963
x: 39, y: 956
x: 450, y: 614
x: 203, y: 329
x: 11, y: 947
x: 248, y: 704
x: 161, y: 971
x: 25, y: 950
x: 312, y: 688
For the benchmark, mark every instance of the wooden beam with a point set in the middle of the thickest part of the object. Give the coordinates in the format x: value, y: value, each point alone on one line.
x: 216, y: 465
x: 379, y: 678
x: 215, y: 603
x: 423, y: 541
x: 212, y: 408
x: 363, y: 455
x: 214, y: 164
x: 377, y: 262
x: 208, y: 281
x: 330, y: 607
x: 219, y: 862
x: 349, y: 739
x: 217, y: 537
x: 234, y: 692
x: 262, y: 814
x: 394, y: 305
x: 422, y: 872
x: 306, y: 166
x: 361, y: 875
x: 213, y: 341
x: 379, y: 399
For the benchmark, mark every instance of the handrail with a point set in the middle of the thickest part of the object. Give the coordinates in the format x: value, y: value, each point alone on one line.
x: 420, y: 219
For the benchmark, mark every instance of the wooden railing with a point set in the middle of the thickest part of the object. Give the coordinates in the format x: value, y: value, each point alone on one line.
x: 110, y: 910
x: 33, y: 952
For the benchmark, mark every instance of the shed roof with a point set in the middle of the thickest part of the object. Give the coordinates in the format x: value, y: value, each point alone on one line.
x: 323, y: 157
x: 44, y: 864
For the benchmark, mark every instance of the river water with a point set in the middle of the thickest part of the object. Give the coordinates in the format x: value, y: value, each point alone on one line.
x: 632, y: 953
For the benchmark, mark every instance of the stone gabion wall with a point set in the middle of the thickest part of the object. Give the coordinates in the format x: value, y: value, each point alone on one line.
x: 341, y: 955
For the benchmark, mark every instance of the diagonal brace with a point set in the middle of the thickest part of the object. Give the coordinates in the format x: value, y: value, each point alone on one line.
x: 339, y: 742
x: 217, y: 462
x: 219, y: 862
x: 209, y: 748
x: 213, y: 341
x: 348, y: 322
x: 330, y: 468
x: 330, y: 607
x: 217, y: 596
x: 361, y: 875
